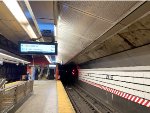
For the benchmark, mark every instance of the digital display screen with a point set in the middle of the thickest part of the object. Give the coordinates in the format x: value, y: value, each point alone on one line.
x: 44, y: 48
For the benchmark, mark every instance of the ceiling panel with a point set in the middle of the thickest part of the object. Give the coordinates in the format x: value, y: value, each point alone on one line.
x: 14, y: 36
x: 12, y: 25
x: 108, y: 10
x: 135, y: 35
x: 9, y: 26
x: 72, y: 19
x: 3, y: 26
x: 10, y: 36
x: 5, y: 14
x: 68, y: 47
x: 22, y: 36
x: 97, y: 29
x: 43, y: 10
x: 82, y: 22
x: 74, y: 34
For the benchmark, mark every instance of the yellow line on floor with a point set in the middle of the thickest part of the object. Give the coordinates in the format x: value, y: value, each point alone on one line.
x: 64, y: 104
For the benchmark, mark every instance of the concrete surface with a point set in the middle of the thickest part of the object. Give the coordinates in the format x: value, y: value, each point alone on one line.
x: 43, y: 100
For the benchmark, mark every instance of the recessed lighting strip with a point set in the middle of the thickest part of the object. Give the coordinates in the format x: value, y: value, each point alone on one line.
x: 16, y: 10
x: 21, y: 61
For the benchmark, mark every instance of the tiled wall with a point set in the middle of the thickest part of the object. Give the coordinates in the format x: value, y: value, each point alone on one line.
x: 121, y: 82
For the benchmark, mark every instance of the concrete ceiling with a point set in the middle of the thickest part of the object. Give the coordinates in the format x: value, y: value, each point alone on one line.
x: 86, y: 30
x: 120, y: 38
x: 9, y: 26
x: 82, y: 22
x: 44, y: 15
x: 43, y: 10
x: 12, y: 30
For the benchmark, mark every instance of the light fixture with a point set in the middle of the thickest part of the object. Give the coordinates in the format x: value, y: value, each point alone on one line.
x: 61, y: 62
x: 15, y: 9
x: 1, y: 62
x: 17, y: 59
x: 48, y: 58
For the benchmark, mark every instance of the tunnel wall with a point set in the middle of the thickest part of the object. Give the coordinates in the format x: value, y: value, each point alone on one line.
x: 136, y: 57
x: 126, y: 89
x: 122, y: 79
x: 120, y: 82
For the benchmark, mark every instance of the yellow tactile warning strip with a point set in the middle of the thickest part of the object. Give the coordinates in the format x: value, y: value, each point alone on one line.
x: 64, y: 104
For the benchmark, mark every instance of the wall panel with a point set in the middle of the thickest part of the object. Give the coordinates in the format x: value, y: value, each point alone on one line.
x: 135, y: 83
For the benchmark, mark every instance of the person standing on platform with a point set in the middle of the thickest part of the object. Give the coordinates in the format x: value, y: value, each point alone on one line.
x: 28, y: 76
x: 23, y: 77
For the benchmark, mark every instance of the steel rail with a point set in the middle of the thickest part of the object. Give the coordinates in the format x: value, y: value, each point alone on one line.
x: 104, y: 106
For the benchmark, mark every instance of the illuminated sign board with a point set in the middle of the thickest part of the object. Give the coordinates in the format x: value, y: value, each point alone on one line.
x: 43, y: 48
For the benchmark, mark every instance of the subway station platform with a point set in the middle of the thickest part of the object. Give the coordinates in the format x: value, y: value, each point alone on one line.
x: 48, y: 96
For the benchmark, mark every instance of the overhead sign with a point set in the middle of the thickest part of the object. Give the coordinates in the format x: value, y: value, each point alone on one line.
x: 44, y: 48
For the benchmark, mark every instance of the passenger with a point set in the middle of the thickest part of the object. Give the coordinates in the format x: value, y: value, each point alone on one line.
x: 28, y: 76
x: 23, y: 77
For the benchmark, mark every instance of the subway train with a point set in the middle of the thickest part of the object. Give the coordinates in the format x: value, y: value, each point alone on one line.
x: 68, y: 73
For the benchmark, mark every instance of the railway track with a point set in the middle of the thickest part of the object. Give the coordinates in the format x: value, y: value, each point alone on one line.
x: 85, y: 102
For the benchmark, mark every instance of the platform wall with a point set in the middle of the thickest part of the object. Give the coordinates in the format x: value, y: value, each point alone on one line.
x: 129, y: 81
x: 133, y: 85
x: 118, y: 103
x: 122, y: 79
x: 135, y: 57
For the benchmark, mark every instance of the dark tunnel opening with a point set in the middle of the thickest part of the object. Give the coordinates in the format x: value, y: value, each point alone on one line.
x: 68, y: 73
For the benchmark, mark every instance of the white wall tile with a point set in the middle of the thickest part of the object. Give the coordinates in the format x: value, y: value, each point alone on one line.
x: 128, y: 79
x: 139, y: 87
x: 146, y: 81
x: 146, y: 88
x: 147, y: 96
x: 139, y: 94
x: 146, y: 74
x: 138, y: 74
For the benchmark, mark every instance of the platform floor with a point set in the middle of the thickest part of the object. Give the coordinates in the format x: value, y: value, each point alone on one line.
x: 43, y: 100
x: 64, y: 104
x: 49, y: 96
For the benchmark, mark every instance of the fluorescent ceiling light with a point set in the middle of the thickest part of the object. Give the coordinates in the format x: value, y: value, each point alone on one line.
x: 48, y: 58
x: 15, y: 9
x: 16, y: 59
x: 52, y: 65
